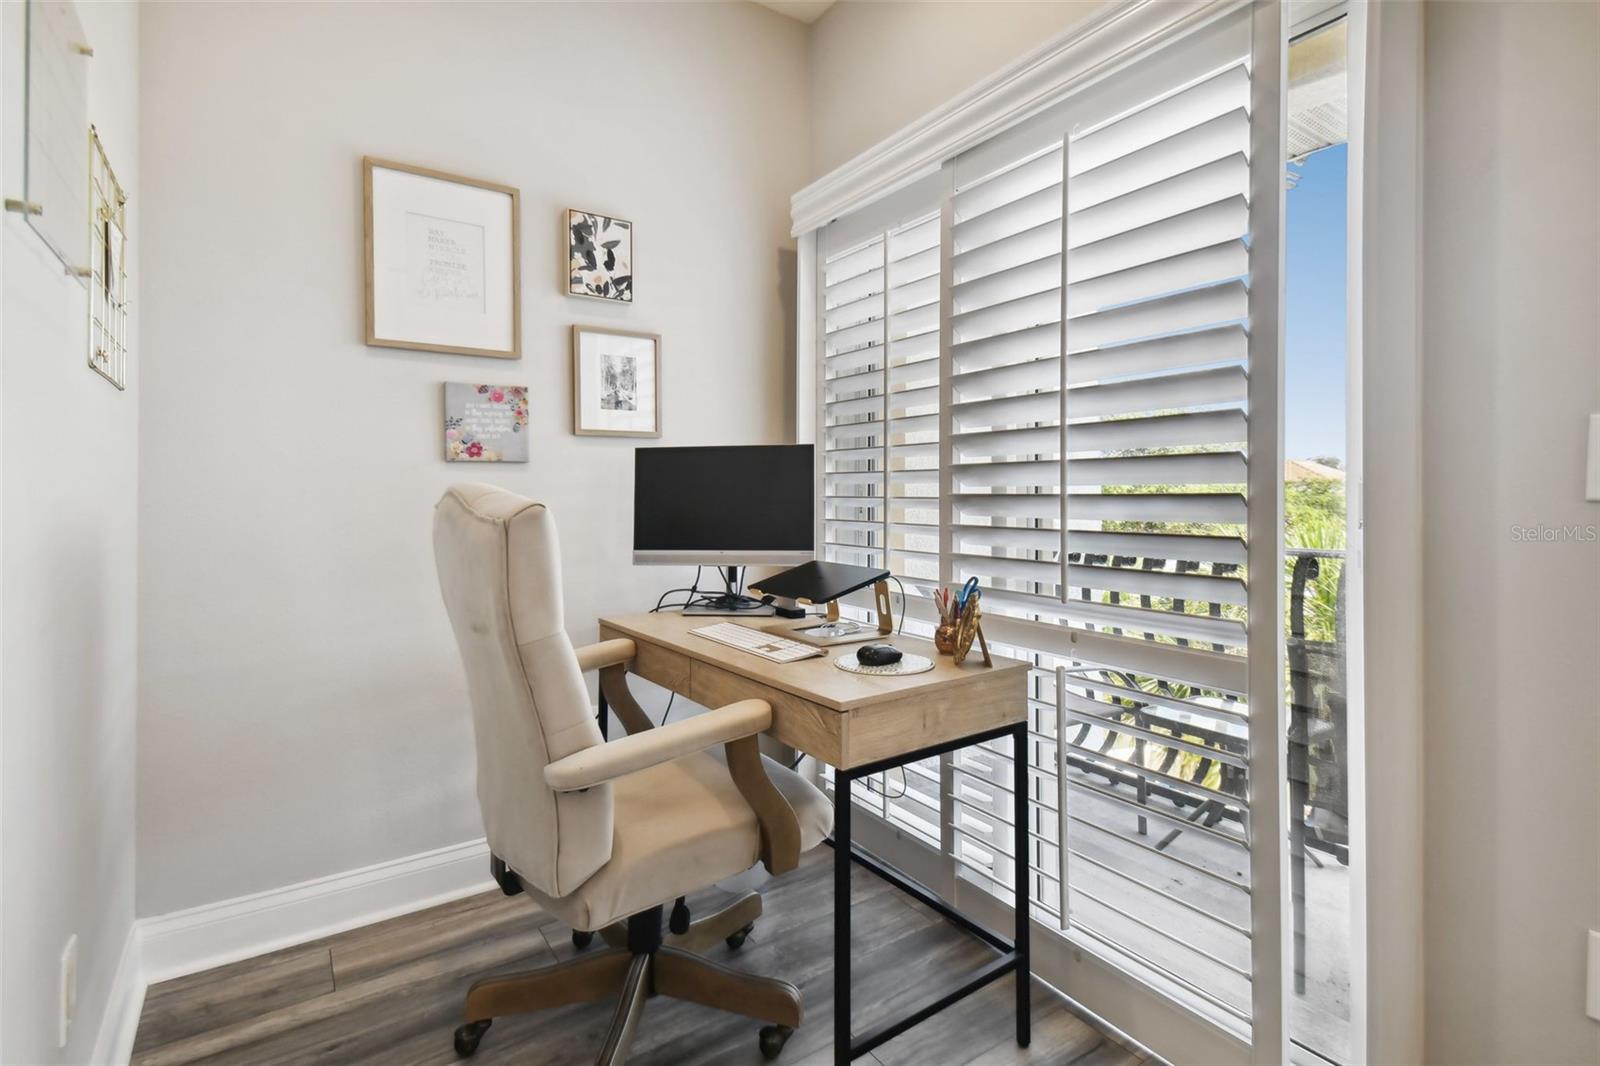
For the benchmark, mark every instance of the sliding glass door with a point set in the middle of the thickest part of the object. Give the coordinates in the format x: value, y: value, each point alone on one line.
x: 1055, y: 367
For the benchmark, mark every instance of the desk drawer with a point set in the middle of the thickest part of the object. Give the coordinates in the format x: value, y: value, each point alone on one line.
x: 885, y: 730
x: 663, y: 666
x: 802, y: 725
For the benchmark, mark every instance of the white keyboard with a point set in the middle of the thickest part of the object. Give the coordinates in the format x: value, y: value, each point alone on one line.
x: 775, y: 649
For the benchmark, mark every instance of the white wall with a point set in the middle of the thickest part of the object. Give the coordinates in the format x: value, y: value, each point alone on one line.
x: 1511, y: 371
x: 70, y: 450
x: 302, y: 704
x: 876, y: 67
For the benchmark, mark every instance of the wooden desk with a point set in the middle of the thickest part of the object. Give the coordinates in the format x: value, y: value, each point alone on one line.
x: 844, y: 720
x: 862, y: 724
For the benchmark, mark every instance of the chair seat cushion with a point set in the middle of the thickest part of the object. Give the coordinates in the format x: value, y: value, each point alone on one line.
x: 679, y: 827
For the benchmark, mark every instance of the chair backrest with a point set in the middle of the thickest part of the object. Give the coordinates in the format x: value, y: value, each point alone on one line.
x: 499, y: 568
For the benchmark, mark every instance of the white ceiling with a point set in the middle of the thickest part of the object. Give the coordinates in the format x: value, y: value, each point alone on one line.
x: 803, y: 10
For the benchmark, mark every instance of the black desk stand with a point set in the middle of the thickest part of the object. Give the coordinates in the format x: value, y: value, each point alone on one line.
x: 1013, y: 957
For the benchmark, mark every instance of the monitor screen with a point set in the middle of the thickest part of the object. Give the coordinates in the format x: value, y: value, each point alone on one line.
x: 723, y: 506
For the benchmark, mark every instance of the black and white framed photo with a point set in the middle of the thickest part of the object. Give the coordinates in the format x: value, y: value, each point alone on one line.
x: 616, y: 383
x: 599, y: 256
x: 443, y: 254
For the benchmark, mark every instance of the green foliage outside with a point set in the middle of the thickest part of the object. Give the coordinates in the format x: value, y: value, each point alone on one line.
x: 1314, y: 517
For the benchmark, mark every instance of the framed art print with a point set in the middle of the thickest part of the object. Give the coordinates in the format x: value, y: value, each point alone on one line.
x: 599, y: 256
x: 485, y: 423
x: 442, y: 261
x: 616, y: 383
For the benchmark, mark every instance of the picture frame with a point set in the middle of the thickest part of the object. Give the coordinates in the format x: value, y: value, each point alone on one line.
x: 443, y: 261
x: 600, y: 256
x: 616, y: 382
x: 485, y: 423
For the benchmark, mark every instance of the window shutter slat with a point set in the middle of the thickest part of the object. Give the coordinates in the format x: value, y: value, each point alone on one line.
x: 1009, y: 316
x: 1197, y: 228
x: 1226, y: 91
x: 1216, y: 138
x: 1025, y: 247
x: 854, y: 402
x: 1195, y: 309
x: 1160, y: 431
x: 1205, y: 184
x: 1025, y: 279
x: 1195, y: 388
x: 1200, y: 468
x: 1219, y: 344
x: 1216, y: 262
x: 1007, y: 378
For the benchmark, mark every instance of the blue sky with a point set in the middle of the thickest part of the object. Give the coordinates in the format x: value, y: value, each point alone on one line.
x: 1314, y: 308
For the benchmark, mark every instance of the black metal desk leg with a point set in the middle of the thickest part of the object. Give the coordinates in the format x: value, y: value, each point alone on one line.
x: 605, y: 732
x: 841, y: 917
x: 1023, y: 849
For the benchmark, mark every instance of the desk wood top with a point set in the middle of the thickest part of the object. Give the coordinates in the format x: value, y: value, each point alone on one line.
x: 815, y: 679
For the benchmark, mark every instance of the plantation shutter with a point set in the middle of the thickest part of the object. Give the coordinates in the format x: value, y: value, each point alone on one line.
x: 1005, y: 457
x: 1158, y: 212
x: 854, y: 358
x: 1076, y: 405
x: 913, y: 435
x: 880, y: 278
x: 1005, y: 373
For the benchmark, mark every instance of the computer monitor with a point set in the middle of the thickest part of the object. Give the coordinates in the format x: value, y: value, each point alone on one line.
x: 726, y: 506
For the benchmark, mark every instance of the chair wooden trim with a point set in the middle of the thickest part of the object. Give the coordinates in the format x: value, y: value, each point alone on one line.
x: 640, y: 962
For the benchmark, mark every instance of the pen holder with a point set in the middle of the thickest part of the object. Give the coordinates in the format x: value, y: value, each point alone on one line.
x: 969, y: 628
x: 944, y: 638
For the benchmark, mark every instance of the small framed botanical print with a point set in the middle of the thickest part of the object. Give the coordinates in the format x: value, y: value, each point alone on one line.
x: 485, y: 423
x: 599, y: 256
x: 442, y: 261
x: 616, y: 383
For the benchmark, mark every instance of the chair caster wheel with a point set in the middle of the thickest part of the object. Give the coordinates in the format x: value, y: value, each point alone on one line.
x: 581, y: 940
x: 773, y: 1037
x: 737, y: 938
x: 467, y: 1037
x: 679, y: 922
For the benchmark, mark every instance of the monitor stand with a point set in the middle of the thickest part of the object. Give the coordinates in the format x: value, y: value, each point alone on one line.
x: 730, y: 603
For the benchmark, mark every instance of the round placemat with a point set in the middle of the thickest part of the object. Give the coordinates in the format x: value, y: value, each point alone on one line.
x: 908, y: 664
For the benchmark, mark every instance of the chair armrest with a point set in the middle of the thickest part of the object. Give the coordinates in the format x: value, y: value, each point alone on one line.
x: 605, y: 653
x: 625, y: 755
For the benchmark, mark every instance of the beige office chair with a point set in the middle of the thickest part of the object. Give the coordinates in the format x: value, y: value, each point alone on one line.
x: 605, y: 834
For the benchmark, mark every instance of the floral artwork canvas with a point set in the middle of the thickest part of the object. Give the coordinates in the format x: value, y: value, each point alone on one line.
x: 600, y: 256
x: 485, y: 423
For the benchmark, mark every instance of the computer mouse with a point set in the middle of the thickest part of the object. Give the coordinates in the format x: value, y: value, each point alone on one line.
x: 877, y: 654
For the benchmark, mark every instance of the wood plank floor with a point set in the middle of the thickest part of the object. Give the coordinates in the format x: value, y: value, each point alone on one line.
x: 392, y: 992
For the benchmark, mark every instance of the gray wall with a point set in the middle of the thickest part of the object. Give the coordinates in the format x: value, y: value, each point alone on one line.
x: 302, y: 705
x: 70, y: 445
x: 876, y: 67
x: 1511, y: 371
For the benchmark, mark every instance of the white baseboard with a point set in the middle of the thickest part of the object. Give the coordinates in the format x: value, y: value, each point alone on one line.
x: 120, y: 1020
x: 216, y: 934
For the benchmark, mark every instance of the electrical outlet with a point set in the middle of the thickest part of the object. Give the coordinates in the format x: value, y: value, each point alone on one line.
x: 1594, y: 975
x: 68, y: 988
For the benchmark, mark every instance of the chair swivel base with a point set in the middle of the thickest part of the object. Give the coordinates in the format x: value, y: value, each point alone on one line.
x: 642, y: 965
